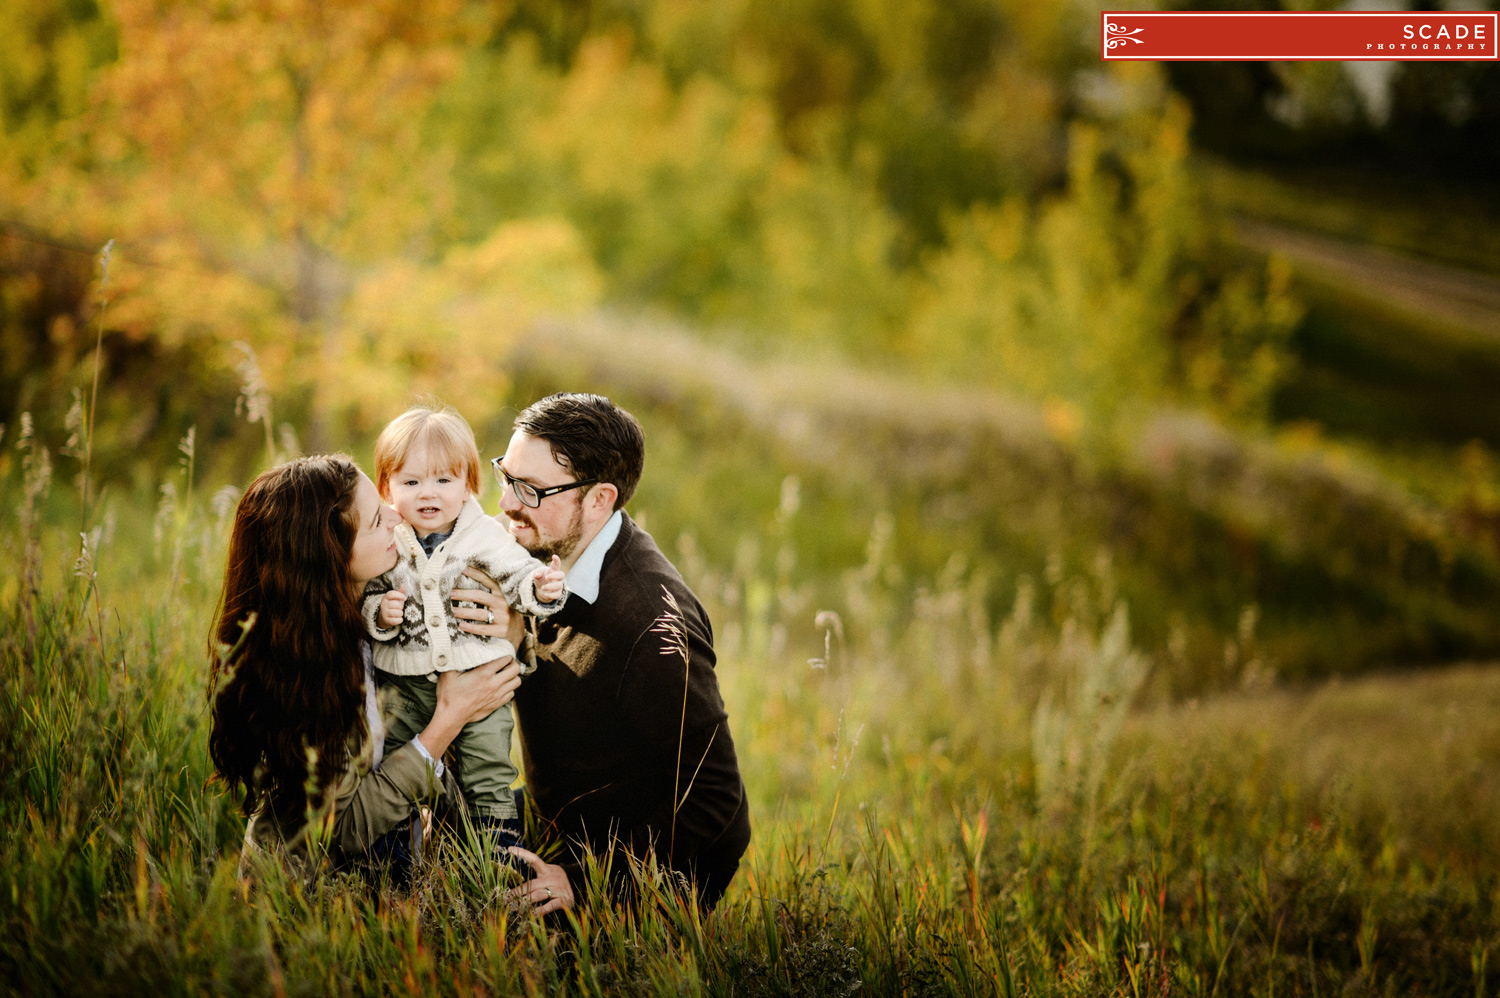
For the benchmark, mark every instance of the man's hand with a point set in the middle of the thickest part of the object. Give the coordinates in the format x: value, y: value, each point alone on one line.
x: 548, y: 889
x: 492, y: 618
x: 392, y: 606
x: 549, y: 581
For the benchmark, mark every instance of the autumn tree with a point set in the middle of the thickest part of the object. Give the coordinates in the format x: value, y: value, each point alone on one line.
x: 258, y: 154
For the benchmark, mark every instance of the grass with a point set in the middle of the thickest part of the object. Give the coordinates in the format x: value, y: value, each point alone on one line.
x: 947, y: 801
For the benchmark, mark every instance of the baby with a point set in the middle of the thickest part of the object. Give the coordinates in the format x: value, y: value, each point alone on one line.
x: 427, y: 468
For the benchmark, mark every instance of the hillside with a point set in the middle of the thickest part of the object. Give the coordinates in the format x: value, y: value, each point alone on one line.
x: 1345, y: 567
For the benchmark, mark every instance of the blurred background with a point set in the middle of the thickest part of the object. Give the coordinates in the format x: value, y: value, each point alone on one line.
x: 922, y: 277
x: 1090, y: 471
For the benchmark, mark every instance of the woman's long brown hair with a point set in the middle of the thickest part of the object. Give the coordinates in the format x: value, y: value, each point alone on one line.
x: 294, y: 681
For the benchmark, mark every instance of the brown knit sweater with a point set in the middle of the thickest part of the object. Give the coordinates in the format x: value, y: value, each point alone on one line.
x: 599, y: 723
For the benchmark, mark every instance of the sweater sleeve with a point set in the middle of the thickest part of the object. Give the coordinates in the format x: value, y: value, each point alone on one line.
x: 375, y: 591
x: 508, y: 563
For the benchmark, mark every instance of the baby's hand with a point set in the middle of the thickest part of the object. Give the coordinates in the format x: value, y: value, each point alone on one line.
x: 549, y: 581
x: 392, y: 607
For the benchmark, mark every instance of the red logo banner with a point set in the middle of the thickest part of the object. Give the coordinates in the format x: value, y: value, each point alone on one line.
x: 1284, y: 35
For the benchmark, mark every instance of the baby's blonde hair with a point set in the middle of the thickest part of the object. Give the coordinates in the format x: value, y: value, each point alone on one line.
x: 446, y: 435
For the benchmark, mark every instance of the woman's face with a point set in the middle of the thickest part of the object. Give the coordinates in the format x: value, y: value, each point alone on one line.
x: 375, y: 544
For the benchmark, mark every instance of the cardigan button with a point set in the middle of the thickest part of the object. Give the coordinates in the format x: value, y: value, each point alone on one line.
x: 429, y: 583
x: 442, y: 660
x: 434, y: 621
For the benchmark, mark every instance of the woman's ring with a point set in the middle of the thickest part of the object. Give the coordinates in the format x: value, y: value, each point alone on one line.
x: 549, y: 892
x: 489, y: 616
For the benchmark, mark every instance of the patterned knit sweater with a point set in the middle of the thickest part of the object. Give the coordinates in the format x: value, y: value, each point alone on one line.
x: 428, y: 639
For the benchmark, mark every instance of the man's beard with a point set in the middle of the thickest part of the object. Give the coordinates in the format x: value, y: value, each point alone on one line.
x: 562, y: 546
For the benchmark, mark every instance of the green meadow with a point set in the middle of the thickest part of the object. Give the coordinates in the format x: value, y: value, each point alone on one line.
x: 948, y: 800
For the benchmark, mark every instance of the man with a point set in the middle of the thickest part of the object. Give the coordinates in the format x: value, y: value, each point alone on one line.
x: 622, y: 717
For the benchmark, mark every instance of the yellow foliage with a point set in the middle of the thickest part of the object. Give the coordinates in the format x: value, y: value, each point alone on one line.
x: 46, y: 56
x: 689, y: 198
x: 378, y: 198
x: 1078, y: 300
x: 265, y: 121
x: 253, y: 153
x: 445, y: 329
x: 1014, y: 115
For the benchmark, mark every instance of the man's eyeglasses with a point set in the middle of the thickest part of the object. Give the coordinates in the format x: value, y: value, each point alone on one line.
x: 529, y: 494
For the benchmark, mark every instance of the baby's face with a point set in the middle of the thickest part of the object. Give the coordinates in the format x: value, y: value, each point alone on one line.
x: 426, y: 498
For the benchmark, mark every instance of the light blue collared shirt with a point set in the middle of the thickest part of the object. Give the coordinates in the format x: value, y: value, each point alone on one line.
x: 583, y: 577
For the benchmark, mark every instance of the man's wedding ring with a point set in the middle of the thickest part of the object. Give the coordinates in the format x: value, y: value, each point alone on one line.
x: 489, y: 616
x: 549, y: 892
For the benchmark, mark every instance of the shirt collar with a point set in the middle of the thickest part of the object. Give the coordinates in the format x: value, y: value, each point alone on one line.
x: 583, y: 577
x: 431, y: 541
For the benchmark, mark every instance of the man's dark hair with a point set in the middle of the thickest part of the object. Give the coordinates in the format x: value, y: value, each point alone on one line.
x: 590, y: 436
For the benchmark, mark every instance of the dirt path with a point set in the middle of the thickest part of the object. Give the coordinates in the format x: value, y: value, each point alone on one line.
x: 1465, y: 299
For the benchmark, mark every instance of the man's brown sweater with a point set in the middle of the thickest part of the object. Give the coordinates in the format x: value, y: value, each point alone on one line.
x: 600, y: 721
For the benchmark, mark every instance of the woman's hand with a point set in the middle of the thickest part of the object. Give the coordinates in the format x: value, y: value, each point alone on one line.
x: 492, y: 618
x: 463, y: 697
x: 548, y: 889
x: 479, y: 692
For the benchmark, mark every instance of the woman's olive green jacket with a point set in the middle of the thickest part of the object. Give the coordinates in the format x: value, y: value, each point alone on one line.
x: 363, y: 805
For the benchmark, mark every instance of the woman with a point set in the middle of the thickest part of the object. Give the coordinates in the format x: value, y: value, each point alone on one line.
x: 294, y: 723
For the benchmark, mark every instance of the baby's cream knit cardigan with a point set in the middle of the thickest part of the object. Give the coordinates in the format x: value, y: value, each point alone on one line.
x: 428, y: 640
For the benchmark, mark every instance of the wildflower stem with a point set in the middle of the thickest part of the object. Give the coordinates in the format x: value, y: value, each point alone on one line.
x: 681, y: 733
x: 669, y: 625
x: 88, y: 437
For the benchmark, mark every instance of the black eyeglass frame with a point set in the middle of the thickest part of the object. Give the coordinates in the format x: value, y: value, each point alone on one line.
x: 522, y: 489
